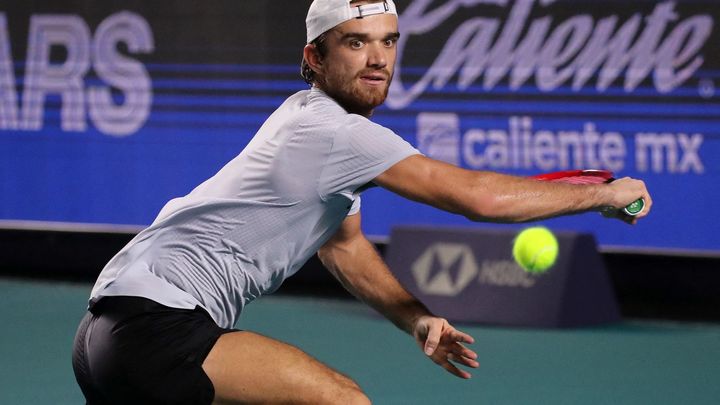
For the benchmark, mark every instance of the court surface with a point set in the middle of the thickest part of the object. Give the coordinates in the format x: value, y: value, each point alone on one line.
x: 635, y: 362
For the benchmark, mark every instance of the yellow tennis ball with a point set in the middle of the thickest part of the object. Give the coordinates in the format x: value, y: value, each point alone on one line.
x: 535, y: 249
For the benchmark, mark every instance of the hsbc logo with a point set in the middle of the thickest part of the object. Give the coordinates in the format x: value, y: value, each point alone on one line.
x: 446, y: 269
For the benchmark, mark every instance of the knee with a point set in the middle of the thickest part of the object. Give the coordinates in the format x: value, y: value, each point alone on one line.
x: 353, y: 396
x: 349, y: 393
x: 357, y: 397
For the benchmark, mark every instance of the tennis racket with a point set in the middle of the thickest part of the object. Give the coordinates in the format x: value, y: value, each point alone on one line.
x: 590, y: 177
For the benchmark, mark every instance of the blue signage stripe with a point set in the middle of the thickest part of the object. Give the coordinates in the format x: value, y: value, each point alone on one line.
x: 406, y: 124
x: 155, y: 67
x: 212, y: 82
x: 256, y: 109
x: 479, y: 106
x: 573, y: 107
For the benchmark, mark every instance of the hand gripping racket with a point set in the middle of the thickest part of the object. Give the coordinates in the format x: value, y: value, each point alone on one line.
x: 590, y: 177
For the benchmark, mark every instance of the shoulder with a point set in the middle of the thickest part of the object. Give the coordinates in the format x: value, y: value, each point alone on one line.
x: 319, y: 103
x: 359, y: 129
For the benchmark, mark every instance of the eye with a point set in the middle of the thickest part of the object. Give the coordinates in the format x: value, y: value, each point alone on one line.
x: 389, y: 43
x: 356, y: 44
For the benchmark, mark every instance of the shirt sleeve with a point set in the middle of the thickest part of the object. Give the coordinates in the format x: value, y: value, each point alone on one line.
x: 361, y: 151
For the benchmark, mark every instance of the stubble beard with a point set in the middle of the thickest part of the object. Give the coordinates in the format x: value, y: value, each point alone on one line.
x: 354, y: 97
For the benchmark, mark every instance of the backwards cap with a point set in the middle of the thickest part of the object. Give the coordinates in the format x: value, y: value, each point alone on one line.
x: 326, y: 14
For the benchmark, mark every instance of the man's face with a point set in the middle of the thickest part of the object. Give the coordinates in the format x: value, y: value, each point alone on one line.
x: 360, y: 61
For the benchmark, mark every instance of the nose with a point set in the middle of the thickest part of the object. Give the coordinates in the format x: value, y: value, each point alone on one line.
x: 377, y: 56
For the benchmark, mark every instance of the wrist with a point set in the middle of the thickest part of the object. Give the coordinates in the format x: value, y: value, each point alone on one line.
x: 603, y: 197
x: 416, y: 318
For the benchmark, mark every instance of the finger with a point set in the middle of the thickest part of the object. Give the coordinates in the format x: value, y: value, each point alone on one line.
x: 458, y: 336
x: 648, y: 204
x: 461, y: 350
x: 645, y: 195
x: 465, y: 361
x: 647, y: 200
x: 454, y: 370
x: 433, y: 339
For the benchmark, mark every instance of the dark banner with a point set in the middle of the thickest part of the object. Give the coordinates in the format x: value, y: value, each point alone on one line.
x: 470, y: 276
x: 108, y: 109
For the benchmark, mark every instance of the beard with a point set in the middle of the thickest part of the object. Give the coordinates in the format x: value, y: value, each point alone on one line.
x: 353, y: 95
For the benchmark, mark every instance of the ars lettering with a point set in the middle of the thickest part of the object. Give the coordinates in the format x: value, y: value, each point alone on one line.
x: 67, y: 79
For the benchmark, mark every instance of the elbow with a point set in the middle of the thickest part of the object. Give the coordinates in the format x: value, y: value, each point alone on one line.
x: 481, y: 208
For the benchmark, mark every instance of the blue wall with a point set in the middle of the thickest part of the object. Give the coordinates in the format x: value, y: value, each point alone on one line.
x: 188, y: 86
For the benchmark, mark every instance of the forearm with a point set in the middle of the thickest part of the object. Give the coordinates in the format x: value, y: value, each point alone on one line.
x: 489, y: 196
x: 361, y: 270
x: 516, y: 199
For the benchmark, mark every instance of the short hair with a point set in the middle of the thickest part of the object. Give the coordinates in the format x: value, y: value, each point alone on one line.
x: 305, y: 70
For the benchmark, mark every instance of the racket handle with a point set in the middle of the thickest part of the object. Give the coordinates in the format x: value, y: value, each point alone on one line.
x: 635, y: 208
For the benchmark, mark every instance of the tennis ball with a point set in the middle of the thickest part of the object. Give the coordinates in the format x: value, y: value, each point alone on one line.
x: 535, y: 249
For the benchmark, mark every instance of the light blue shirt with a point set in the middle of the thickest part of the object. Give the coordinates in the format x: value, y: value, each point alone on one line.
x: 242, y: 232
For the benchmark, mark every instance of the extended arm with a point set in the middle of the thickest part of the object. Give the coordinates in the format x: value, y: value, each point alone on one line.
x: 353, y: 260
x: 488, y: 196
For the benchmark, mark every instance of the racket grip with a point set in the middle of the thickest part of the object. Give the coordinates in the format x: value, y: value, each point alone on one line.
x: 635, y: 208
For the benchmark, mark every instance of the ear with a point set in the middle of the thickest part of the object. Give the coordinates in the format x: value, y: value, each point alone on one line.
x: 313, y: 58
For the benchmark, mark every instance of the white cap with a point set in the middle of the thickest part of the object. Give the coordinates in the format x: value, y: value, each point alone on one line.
x: 326, y: 14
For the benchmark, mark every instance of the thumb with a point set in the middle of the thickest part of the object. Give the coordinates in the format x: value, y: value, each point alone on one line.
x: 433, y: 338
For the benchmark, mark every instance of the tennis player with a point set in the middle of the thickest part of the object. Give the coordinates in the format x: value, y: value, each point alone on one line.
x: 160, y: 319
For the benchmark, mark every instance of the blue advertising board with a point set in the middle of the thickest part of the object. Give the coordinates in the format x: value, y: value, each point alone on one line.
x: 109, y: 110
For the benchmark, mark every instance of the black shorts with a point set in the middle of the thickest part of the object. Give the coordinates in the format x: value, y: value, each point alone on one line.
x: 131, y: 350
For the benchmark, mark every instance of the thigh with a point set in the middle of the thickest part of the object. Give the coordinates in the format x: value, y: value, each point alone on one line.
x: 246, y: 367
